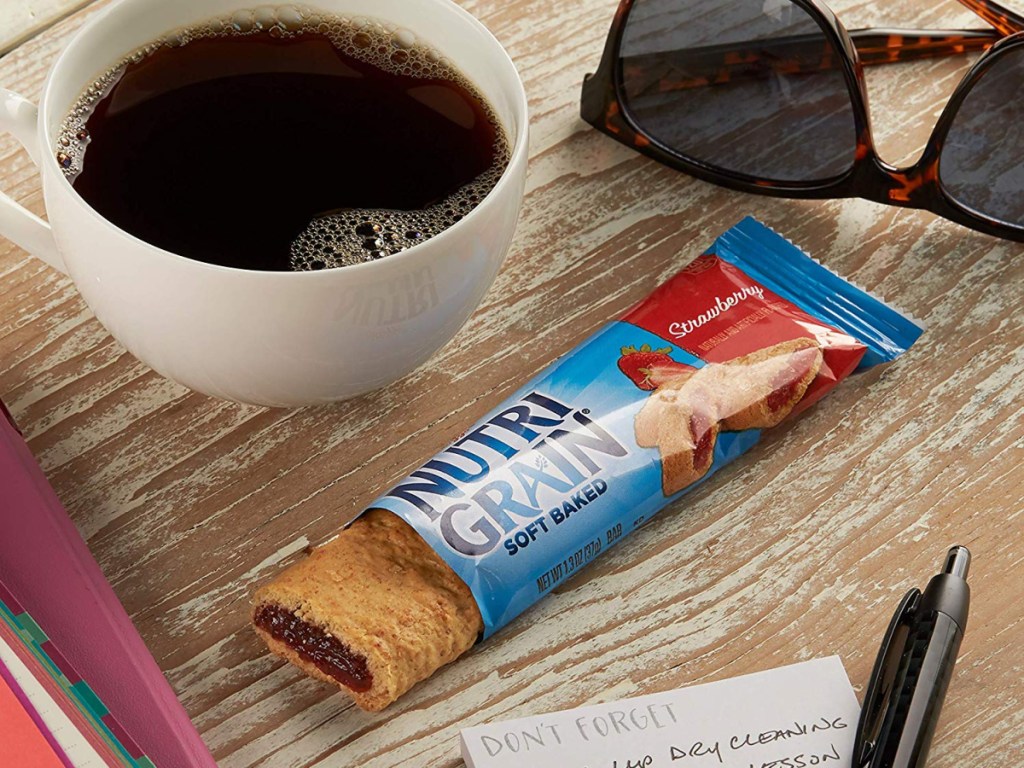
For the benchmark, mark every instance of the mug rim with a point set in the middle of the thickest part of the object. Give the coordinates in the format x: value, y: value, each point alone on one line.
x: 517, y: 157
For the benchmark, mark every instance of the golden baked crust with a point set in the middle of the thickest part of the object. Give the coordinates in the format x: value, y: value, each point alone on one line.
x: 681, y: 421
x: 761, y: 389
x: 383, y: 593
x: 661, y: 402
x: 687, y: 448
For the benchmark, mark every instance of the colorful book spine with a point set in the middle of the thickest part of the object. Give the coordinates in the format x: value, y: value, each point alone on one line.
x: 63, y: 689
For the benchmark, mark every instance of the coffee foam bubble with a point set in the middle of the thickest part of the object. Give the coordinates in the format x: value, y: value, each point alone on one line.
x: 357, y: 235
x: 349, y: 236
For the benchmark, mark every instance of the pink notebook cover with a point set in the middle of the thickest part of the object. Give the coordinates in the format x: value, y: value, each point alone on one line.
x: 46, y: 567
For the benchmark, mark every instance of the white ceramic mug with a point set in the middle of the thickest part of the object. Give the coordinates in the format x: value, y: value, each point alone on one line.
x: 271, y: 338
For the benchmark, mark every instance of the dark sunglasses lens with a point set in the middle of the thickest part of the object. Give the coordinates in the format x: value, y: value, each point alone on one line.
x: 754, y: 87
x: 982, y: 160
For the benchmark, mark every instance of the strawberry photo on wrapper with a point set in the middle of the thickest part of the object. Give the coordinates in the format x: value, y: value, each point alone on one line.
x: 650, y: 368
x: 719, y: 313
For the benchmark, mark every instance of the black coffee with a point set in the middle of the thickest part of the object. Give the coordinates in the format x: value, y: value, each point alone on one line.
x: 277, y: 141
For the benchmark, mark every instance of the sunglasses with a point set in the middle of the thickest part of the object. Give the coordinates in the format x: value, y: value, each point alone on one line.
x: 768, y: 96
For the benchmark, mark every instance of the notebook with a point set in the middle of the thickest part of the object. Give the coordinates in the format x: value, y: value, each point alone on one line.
x: 77, y: 686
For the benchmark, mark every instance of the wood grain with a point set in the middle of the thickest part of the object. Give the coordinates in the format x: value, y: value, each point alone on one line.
x: 799, y: 550
x: 22, y: 19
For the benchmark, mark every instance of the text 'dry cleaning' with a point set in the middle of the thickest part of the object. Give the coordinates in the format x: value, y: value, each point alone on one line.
x: 798, y: 716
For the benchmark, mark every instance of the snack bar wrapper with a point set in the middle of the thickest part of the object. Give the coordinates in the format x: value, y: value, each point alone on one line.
x: 749, y: 334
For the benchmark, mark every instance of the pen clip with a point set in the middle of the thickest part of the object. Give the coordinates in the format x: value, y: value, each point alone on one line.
x: 880, y: 687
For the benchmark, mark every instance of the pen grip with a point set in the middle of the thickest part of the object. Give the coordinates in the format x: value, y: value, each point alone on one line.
x: 925, y: 672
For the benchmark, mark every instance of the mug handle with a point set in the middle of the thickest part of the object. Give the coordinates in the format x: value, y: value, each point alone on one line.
x: 19, y: 116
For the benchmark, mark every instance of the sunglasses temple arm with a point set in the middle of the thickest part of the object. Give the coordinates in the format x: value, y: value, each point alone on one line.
x: 716, y: 64
x: 886, y: 46
x: 1003, y: 19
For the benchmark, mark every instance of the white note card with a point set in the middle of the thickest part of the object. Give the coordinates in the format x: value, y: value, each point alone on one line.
x: 798, y: 716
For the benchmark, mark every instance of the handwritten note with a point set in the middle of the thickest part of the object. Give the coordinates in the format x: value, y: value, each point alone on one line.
x: 799, y: 716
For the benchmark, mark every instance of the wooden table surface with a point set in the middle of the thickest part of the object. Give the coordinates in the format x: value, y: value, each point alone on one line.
x: 799, y: 550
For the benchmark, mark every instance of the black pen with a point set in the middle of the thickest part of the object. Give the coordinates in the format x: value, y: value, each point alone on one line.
x: 912, y: 671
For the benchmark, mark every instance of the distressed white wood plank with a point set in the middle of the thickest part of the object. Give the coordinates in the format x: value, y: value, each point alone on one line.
x: 21, y: 19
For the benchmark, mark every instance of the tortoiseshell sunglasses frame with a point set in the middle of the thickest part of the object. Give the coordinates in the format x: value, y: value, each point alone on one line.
x: 869, y: 177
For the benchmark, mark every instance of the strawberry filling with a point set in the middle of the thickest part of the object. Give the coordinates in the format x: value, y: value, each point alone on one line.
x: 787, y: 382
x: 704, y: 444
x: 316, y: 646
